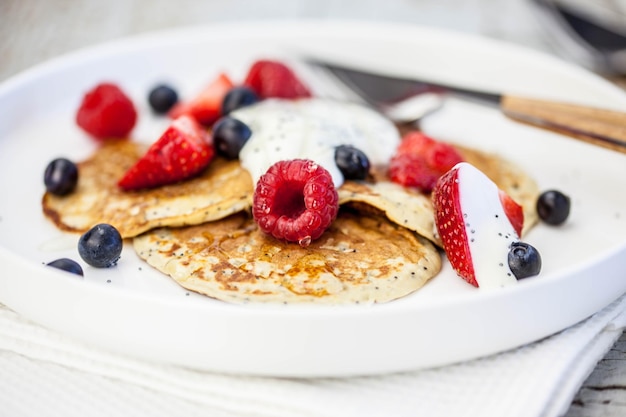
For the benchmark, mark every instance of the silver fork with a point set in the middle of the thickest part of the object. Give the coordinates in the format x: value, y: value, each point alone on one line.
x: 599, y: 126
x: 326, y: 85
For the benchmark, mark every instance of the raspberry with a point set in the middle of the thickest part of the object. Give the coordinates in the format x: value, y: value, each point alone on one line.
x: 106, y: 112
x: 295, y: 200
x: 420, y: 160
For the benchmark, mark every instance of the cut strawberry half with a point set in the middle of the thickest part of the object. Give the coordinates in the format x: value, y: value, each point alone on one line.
x: 206, y: 107
x: 274, y: 79
x: 420, y: 160
x: 514, y: 212
x: 477, y: 223
x: 182, y: 152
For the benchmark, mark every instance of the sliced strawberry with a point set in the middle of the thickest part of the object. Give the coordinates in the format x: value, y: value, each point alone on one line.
x: 413, y: 170
x: 415, y: 142
x: 451, y: 227
x: 182, y: 151
x: 275, y: 79
x: 106, y: 112
x: 513, y: 211
x: 477, y: 223
x: 206, y: 107
x: 420, y: 160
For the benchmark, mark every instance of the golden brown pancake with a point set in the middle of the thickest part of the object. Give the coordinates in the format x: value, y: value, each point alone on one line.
x: 404, y: 206
x: 359, y: 259
x: 224, y: 188
x: 414, y: 210
x: 510, y: 178
x: 379, y: 248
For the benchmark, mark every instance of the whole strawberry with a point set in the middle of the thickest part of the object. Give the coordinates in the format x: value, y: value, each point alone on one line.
x: 106, y: 112
x: 182, y: 151
x: 269, y: 79
x: 420, y: 160
x: 478, y: 223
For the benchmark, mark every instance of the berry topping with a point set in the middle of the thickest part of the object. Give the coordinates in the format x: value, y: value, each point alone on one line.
x: 295, y: 200
x: 477, y: 223
x: 100, y: 246
x: 553, y: 207
x: 206, y: 107
x: 60, y: 176
x: 352, y: 162
x: 513, y: 211
x: 182, y: 151
x: 106, y: 112
x: 275, y: 79
x: 229, y: 136
x: 162, y: 98
x: 420, y: 161
x: 524, y: 260
x: 67, y: 265
x: 238, y: 97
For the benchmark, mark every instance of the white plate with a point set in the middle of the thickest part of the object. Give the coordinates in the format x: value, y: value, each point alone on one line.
x: 136, y: 311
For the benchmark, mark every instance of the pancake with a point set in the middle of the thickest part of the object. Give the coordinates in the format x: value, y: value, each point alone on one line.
x: 414, y: 210
x: 406, y: 207
x: 509, y: 177
x: 224, y: 188
x: 381, y: 247
x: 359, y: 259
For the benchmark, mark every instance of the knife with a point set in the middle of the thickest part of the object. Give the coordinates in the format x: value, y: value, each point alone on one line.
x: 602, y: 127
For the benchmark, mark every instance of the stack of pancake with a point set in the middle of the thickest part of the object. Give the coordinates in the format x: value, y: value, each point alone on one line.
x: 200, y: 232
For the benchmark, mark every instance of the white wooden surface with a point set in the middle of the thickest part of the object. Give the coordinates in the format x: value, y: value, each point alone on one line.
x: 32, y: 31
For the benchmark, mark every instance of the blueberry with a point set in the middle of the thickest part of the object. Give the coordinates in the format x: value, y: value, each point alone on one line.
x: 100, y: 246
x: 68, y: 265
x: 352, y: 162
x: 229, y: 136
x: 162, y: 98
x: 61, y: 176
x: 524, y: 260
x: 238, y: 97
x: 553, y: 207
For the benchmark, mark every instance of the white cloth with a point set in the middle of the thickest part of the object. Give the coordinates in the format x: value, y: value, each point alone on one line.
x: 43, y: 373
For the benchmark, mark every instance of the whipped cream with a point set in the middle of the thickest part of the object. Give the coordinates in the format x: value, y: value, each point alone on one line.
x: 312, y: 129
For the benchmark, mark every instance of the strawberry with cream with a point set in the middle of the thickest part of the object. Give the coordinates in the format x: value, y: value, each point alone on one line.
x: 480, y: 227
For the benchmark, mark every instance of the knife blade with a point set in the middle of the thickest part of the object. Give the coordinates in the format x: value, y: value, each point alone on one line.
x: 601, y: 127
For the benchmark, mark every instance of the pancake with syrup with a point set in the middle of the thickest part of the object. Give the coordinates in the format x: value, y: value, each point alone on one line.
x: 382, y: 246
x: 360, y: 259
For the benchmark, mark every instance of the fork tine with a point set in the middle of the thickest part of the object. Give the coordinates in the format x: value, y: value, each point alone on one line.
x: 326, y: 85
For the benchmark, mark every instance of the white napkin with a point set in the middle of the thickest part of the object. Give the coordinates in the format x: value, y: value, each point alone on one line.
x: 45, y: 373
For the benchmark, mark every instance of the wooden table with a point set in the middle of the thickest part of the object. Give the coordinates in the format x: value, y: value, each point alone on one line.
x: 33, y: 31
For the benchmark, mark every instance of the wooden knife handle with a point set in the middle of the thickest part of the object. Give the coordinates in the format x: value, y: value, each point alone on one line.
x: 606, y: 128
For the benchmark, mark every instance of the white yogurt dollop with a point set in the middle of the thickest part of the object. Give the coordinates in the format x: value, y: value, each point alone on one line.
x: 312, y: 129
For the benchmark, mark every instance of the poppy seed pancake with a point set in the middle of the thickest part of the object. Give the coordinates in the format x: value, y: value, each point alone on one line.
x: 359, y: 259
x: 222, y: 189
